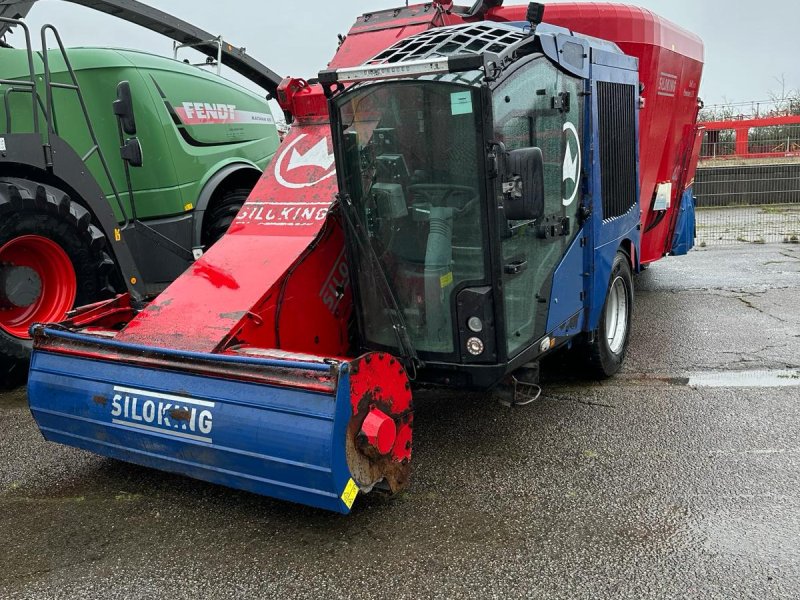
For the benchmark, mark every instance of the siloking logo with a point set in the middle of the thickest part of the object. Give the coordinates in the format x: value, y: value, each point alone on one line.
x: 335, y: 285
x: 305, y: 162
x: 667, y: 84
x: 571, y: 170
x: 204, y: 113
x: 175, y: 416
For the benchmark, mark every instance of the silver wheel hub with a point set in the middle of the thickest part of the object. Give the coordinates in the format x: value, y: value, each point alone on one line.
x: 617, y: 316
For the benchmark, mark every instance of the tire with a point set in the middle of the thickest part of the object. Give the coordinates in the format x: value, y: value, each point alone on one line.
x: 221, y: 214
x: 605, y: 355
x: 62, y: 254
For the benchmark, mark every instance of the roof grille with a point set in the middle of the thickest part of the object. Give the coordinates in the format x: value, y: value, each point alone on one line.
x: 458, y: 39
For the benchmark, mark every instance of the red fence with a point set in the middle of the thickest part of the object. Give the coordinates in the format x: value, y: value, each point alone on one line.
x: 752, y: 138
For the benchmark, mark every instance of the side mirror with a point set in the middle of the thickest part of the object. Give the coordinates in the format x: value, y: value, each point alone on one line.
x: 131, y: 152
x: 123, y: 108
x: 523, y: 185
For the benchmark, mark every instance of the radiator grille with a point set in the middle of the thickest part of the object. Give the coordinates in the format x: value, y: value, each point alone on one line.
x: 617, y: 122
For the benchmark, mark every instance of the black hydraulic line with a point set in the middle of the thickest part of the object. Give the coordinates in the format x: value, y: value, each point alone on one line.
x: 167, y: 25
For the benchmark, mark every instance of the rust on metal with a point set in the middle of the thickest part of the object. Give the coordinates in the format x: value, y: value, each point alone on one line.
x: 292, y: 377
x: 180, y: 414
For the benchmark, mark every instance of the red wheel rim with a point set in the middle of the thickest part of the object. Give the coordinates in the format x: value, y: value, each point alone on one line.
x: 59, y: 284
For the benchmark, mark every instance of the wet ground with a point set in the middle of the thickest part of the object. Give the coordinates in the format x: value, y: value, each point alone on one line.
x: 769, y: 223
x: 678, y: 479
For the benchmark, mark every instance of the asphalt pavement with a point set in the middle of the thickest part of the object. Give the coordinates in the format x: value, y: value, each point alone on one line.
x: 680, y: 478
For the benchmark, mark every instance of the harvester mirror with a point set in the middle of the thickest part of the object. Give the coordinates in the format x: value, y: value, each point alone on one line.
x: 523, y: 185
x: 131, y: 152
x: 123, y: 108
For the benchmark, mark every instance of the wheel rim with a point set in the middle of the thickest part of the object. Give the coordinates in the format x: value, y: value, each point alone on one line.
x: 57, y: 279
x: 617, y: 316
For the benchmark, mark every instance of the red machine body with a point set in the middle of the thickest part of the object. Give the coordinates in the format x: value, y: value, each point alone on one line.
x: 277, y: 285
x: 278, y: 279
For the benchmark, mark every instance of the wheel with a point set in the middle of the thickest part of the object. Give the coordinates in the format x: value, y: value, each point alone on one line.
x: 607, y: 352
x: 221, y: 214
x: 51, y: 259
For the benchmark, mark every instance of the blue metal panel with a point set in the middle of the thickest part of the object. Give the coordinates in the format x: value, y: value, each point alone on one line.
x: 603, y: 261
x: 606, y: 236
x: 685, y: 228
x: 615, y: 59
x: 568, y: 285
x: 283, y: 442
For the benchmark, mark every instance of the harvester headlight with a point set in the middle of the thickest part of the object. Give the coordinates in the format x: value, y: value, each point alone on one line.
x: 475, y: 325
x: 475, y: 346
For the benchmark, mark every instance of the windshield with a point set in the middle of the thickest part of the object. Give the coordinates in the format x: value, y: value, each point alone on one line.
x: 412, y: 168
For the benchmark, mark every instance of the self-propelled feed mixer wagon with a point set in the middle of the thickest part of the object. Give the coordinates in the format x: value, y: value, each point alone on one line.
x: 463, y: 191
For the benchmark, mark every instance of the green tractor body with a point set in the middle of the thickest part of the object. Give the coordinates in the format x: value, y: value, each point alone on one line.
x: 129, y: 220
x: 179, y: 157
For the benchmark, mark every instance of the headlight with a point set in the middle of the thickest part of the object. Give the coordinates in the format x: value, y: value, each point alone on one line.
x: 475, y: 346
x: 475, y: 325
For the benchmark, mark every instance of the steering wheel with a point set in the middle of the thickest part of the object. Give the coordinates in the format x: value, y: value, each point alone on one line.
x: 436, y: 194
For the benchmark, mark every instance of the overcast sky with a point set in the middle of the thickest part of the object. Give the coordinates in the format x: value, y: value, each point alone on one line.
x: 749, y: 46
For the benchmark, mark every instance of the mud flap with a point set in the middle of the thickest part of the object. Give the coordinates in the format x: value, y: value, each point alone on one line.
x: 288, y: 429
x: 685, y: 228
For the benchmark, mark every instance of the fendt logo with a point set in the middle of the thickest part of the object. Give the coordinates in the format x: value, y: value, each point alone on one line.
x: 176, y: 416
x: 204, y: 113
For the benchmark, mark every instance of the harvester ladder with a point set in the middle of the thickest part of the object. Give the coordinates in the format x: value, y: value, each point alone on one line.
x: 22, y: 85
x: 52, y: 127
x: 50, y: 116
x: 47, y: 108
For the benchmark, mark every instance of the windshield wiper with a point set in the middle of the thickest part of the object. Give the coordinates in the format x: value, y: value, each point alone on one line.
x: 397, y: 317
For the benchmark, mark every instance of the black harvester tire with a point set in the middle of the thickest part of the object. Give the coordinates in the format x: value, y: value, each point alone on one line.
x: 221, y: 214
x: 601, y: 360
x: 28, y: 208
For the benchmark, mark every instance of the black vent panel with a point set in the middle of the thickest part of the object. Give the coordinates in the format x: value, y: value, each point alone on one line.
x: 457, y: 39
x: 617, y: 123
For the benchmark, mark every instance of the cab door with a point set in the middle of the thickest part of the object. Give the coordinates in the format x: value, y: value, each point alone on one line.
x: 539, y: 106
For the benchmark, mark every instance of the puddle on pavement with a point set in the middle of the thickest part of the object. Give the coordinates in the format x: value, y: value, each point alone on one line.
x: 763, y: 378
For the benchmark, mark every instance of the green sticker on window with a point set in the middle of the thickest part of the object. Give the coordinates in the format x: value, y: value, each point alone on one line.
x: 461, y: 103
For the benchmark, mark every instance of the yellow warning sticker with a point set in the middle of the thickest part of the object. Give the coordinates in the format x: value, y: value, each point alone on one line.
x: 446, y: 280
x: 349, y: 494
x: 117, y: 235
x: 188, y: 207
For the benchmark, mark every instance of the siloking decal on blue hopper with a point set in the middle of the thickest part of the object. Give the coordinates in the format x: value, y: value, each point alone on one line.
x: 281, y: 428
